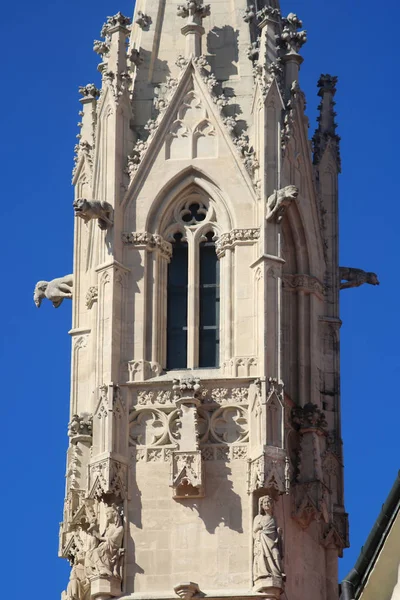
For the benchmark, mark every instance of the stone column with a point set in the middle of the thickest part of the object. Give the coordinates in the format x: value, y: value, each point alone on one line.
x: 290, y: 41
x: 193, y: 31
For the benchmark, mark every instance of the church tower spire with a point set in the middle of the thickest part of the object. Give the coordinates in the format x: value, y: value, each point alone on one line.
x: 205, y: 451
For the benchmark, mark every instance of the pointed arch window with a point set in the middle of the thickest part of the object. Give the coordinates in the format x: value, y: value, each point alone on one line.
x: 193, y: 284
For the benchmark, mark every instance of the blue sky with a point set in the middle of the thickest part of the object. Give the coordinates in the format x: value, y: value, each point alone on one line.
x: 47, y: 51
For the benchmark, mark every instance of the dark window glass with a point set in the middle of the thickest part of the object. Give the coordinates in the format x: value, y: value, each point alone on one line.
x: 209, y: 305
x: 177, y: 302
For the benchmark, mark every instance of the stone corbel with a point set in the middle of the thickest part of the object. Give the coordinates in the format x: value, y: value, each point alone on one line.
x: 270, y: 472
x: 108, y: 478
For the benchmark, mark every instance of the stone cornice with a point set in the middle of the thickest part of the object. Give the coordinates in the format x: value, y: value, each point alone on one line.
x: 234, y: 237
x: 149, y: 241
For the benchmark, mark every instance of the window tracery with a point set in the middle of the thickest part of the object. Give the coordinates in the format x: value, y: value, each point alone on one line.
x: 193, y: 285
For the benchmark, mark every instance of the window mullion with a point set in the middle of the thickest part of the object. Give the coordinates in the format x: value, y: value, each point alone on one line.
x: 193, y: 302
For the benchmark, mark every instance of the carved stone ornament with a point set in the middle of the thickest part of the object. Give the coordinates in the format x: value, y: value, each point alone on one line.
x: 270, y: 471
x: 249, y: 14
x: 96, y: 552
x: 194, y: 9
x: 187, y: 474
x: 118, y: 20
x: 150, y: 241
x: 279, y: 201
x: 351, y: 278
x: 55, y: 290
x: 309, y: 416
x: 119, y: 83
x: 296, y: 100
x: 310, y: 502
x: 143, y: 20
x: 234, y: 237
x: 267, y: 562
x: 253, y: 50
x: 101, y: 47
x: 325, y: 135
x: 187, y: 590
x: 247, y: 152
x: 291, y: 40
x: 108, y: 477
x: 91, y: 296
x: 142, y: 370
x: 304, y: 283
x: 80, y: 426
x: 94, y: 209
x: 89, y: 90
x: 268, y: 13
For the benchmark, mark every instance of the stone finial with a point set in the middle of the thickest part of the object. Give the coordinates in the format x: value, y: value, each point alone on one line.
x: 325, y: 134
x: 117, y: 21
x: 268, y: 13
x: 89, y: 90
x: 291, y: 40
x: 194, y: 11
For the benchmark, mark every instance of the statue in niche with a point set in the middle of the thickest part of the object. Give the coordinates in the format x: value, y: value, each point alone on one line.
x: 104, y: 556
x: 356, y: 277
x: 55, y: 290
x: 267, y: 566
x: 94, y: 209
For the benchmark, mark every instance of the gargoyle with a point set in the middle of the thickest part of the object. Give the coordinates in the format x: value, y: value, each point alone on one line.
x: 278, y: 202
x: 55, y: 290
x: 356, y: 277
x: 94, y: 209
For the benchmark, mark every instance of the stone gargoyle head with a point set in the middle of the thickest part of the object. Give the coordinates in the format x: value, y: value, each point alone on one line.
x: 40, y: 292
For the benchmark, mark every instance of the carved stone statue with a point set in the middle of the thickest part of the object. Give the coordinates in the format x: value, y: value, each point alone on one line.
x: 356, y: 277
x: 278, y: 202
x: 104, y: 560
x: 267, y: 566
x: 94, y: 209
x: 78, y: 585
x: 55, y: 290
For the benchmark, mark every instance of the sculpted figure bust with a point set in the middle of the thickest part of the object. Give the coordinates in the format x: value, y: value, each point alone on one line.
x: 356, y: 277
x: 94, y: 209
x: 278, y: 202
x: 267, y: 566
x: 55, y: 290
x: 104, y: 559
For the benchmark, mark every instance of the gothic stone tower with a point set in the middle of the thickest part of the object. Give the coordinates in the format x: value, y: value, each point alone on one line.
x: 205, y: 446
